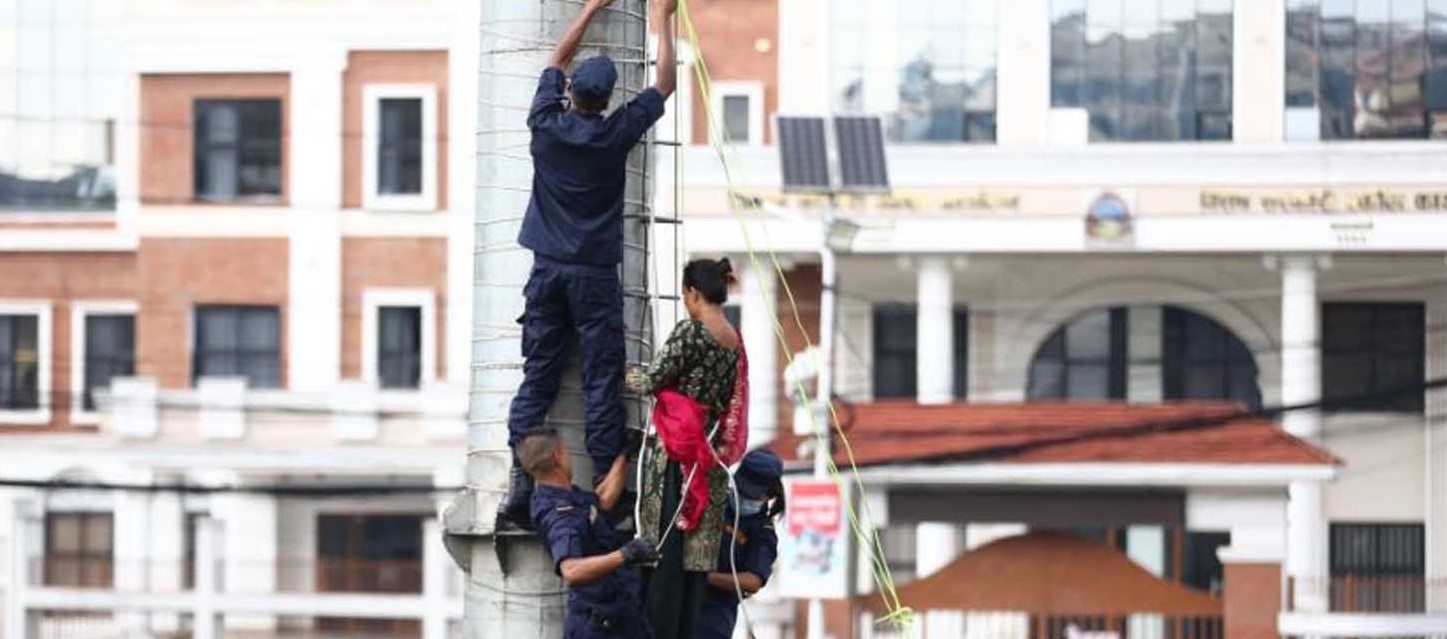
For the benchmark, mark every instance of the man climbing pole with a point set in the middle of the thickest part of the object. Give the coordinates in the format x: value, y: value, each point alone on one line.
x: 604, y: 593
x: 574, y: 227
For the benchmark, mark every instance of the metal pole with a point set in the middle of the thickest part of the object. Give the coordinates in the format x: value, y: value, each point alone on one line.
x: 828, y: 300
x: 511, y: 588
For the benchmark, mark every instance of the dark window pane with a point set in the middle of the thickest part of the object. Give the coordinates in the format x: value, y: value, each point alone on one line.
x: 239, y: 341
x: 734, y: 315
x: 399, y: 357
x: 237, y: 149
x: 110, y: 351
x: 1202, y: 567
x: 19, y: 362
x: 1374, y: 356
x: 895, y: 373
x: 1377, y: 567
x: 399, y: 150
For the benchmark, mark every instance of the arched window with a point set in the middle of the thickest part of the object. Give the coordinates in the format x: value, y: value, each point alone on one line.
x: 1159, y: 351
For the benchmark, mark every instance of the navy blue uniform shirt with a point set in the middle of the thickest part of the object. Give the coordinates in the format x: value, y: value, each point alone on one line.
x: 572, y: 526
x: 579, y: 161
x: 755, y: 545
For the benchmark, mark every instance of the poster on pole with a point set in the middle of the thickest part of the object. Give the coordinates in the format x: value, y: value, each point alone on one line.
x: 814, y: 544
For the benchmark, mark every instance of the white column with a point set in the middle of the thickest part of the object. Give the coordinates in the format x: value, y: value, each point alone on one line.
x: 1023, y: 92
x: 314, y: 317
x: 757, y: 312
x: 131, y: 548
x: 803, y: 52
x: 1146, y: 546
x: 935, y: 546
x: 1436, y: 452
x: 249, y: 550
x: 1306, y: 558
x: 462, y: 66
x: 935, y: 351
x: 1258, y: 90
x: 165, y: 541
x: 19, y: 576
x: 435, y: 568
x: 208, y: 538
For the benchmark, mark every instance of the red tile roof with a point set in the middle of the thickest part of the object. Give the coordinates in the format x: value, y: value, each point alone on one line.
x: 893, y: 431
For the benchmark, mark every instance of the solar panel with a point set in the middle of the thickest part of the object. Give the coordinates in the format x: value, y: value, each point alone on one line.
x: 803, y: 154
x: 861, y: 154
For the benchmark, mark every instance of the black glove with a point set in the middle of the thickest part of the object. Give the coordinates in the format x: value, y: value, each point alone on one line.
x: 639, y: 552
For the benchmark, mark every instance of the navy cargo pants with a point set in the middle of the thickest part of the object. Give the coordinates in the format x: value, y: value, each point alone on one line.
x: 565, y: 299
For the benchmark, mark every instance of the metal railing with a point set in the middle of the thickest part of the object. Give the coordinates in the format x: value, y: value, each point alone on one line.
x: 1396, y: 594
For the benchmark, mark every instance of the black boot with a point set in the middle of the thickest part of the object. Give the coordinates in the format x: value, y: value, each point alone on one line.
x: 515, y: 513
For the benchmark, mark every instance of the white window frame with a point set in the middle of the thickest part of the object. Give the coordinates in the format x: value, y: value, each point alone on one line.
x: 752, y: 90
x: 373, y: 299
x: 79, y: 311
x: 372, y: 96
x: 41, y: 311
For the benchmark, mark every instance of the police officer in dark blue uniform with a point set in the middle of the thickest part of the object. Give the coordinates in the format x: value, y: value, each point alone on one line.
x: 604, y: 592
x: 574, y: 227
x: 753, y: 544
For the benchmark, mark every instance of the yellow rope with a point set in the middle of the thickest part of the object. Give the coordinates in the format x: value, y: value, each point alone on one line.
x: 900, y: 616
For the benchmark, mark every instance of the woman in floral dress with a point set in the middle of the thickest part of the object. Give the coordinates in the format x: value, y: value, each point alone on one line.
x: 701, y: 360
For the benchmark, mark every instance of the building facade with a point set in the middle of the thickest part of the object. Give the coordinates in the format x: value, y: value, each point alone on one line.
x: 1146, y: 204
x: 235, y: 241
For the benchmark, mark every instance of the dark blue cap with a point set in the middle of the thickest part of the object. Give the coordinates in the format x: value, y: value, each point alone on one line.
x: 758, y: 472
x: 593, y: 79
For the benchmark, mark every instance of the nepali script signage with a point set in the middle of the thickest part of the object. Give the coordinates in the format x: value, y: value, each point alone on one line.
x: 814, y: 546
x: 1324, y: 201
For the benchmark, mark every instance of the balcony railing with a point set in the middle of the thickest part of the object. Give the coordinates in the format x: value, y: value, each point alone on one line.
x: 1392, y: 594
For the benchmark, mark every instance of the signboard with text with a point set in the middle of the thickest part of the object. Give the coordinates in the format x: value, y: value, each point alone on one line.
x: 814, y: 541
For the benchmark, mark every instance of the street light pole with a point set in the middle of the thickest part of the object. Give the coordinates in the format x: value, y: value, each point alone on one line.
x: 828, y: 302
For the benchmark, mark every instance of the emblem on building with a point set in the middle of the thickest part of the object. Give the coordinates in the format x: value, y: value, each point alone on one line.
x: 1108, y: 220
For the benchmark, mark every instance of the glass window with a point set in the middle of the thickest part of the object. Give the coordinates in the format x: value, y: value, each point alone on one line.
x: 1201, y: 565
x: 1377, y: 567
x: 238, y: 150
x: 1084, y: 360
x: 1144, y: 70
x: 895, y: 330
x: 1374, y: 69
x: 1089, y: 359
x: 399, y: 147
x: 736, y: 117
x: 1373, y: 356
x: 239, y: 341
x: 78, y: 550
x: 59, y: 85
x: 399, y: 344
x: 19, y: 362
x: 110, y: 351
x: 1202, y: 360
x: 896, y: 351
x: 926, y: 66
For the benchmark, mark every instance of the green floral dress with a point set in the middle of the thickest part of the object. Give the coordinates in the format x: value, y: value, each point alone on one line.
x: 695, y: 364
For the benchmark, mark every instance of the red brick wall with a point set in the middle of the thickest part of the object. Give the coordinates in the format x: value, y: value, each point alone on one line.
x: 390, y: 263
x: 176, y: 274
x: 728, y: 31
x: 1252, y: 600
x: 167, y: 139
x: 60, y: 279
x: 388, y: 67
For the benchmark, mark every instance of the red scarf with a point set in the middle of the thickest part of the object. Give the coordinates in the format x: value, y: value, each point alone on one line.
x: 681, y: 421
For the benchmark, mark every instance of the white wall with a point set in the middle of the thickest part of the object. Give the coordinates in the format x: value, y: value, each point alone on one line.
x: 1384, y: 477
